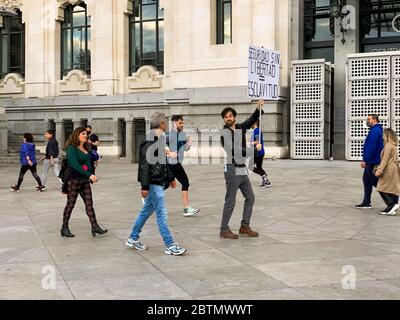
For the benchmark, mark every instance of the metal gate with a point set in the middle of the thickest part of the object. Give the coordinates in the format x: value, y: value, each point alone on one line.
x: 140, y: 136
x: 68, y: 129
x: 373, y: 86
x: 122, y: 137
x: 310, y: 109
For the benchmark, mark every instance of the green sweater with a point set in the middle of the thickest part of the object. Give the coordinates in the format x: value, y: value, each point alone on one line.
x: 77, y: 158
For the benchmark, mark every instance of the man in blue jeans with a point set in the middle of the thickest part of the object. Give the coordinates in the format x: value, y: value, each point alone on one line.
x: 373, y: 147
x: 155, y: 176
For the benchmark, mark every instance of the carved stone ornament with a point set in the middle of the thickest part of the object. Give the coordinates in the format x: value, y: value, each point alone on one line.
x: 12, y: 4
x: 75, y: 81
x: 12, y: 84
x: 147, y: 77
x: 64, y: 3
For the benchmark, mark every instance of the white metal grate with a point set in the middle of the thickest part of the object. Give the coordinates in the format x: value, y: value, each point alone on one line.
x: 311, y: 81
x: 373, y: 86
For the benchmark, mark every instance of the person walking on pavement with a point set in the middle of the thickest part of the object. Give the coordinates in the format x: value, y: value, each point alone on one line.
x: 79, y: 177
x: 27, y: 157
x: 233, y: 138
x: 155, y: 176
x: 388, y: 173
x: 51, y: 156
x: 178, y: 143
x: 93, y: 141
x: 257, y: 140
x: 373, y: 147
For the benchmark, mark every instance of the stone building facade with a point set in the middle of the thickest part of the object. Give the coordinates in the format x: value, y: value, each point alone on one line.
x: 112, y: 63
x: 198, y: 77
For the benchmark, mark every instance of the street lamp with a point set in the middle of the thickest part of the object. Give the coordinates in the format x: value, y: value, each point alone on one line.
x: 7, y: 12
x: 337, y: 13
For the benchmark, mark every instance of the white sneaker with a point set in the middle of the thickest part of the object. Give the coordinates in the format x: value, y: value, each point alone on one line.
x: 393, y: 212
x: 136, y: 244
x: 189, y: 212
x: 175, y: 250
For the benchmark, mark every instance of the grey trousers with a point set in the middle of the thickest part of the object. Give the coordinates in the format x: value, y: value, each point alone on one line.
x: 237, y: 178
x: 46, y: 167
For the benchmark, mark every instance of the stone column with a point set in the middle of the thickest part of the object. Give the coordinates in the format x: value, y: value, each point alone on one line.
x: 77, y: 123
x: 129, y: 138
x: 60, y: 132
x: 341, y: 51
x: 3, y: 133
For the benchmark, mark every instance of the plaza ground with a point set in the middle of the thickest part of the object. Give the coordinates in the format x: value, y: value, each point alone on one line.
x: 309, y: 234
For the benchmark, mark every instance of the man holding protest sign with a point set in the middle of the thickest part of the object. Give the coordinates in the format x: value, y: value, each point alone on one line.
x: 233, y: 138
x: 263, y: 84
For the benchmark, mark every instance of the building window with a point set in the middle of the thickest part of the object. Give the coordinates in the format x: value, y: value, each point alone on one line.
x: 224, y: 21
x: 12, y: 46
x: 376, y: 25
x: 146, y: 36
x: 75, y: 39
x: 319, y: 30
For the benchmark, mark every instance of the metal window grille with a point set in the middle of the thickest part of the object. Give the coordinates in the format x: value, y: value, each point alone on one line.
x: 310, y: 114
x: 373, y: 86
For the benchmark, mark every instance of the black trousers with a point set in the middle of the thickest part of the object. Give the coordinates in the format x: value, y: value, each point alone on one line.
x: 370, y: 181
x: 25, y: 169
x: 389, y: 198
x: 258, y: 161
x: 180, y: 175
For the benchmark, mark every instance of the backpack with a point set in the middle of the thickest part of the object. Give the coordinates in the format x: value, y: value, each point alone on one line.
x: 64, y: 167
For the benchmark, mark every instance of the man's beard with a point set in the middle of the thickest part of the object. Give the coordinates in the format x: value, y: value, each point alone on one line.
x: 229, y: 123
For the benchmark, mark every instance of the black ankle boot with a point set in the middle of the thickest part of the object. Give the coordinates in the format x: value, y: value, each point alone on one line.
x: 98, y: 230
x: 65, y: 232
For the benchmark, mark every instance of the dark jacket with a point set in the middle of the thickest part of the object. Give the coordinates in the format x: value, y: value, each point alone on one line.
x: 52, y: 149
x: 373, y: 145
x: 153, y: 166
x: 27, y: 149
x: 235, y: 140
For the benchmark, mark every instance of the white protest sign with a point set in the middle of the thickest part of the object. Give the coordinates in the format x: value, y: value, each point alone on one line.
x: 264, y: 72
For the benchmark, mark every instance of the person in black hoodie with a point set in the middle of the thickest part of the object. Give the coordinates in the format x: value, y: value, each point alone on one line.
x: 51, y: 156
x: 155, y: 176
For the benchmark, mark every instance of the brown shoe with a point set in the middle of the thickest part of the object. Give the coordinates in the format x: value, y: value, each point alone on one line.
x: 246, y: 231
x: 228, y: 234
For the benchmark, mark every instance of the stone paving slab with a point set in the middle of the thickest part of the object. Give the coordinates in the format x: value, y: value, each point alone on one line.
x: 308, y: 228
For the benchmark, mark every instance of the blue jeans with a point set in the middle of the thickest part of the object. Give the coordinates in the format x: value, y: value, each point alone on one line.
x: 154, y: 202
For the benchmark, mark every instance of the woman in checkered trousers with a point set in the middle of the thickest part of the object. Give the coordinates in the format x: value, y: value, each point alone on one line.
x: 79, y: 176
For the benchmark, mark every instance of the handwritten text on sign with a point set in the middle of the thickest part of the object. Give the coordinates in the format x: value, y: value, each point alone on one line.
x: 263, y: 73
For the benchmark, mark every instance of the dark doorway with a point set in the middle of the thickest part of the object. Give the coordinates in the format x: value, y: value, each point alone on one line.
x: 140, y: 136
x: 68, y: 129
x: 122, y: 137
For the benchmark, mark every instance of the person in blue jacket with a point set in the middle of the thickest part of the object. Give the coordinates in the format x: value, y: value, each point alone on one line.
x: 28, y: 161
x: 373, y: 147
x: 259, y: 154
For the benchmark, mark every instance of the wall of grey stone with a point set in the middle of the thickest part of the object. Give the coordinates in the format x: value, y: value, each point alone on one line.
x: 200, y: 107
x: 3, y: 132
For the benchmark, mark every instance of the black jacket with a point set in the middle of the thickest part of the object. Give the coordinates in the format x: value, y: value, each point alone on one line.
x: 236, y: 140
x: 52, y: 149
x: 153, y: 165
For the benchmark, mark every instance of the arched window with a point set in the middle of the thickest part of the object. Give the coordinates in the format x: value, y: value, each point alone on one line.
x: 75, y: 39
x: 12, y: 46
x: 146, y: 45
